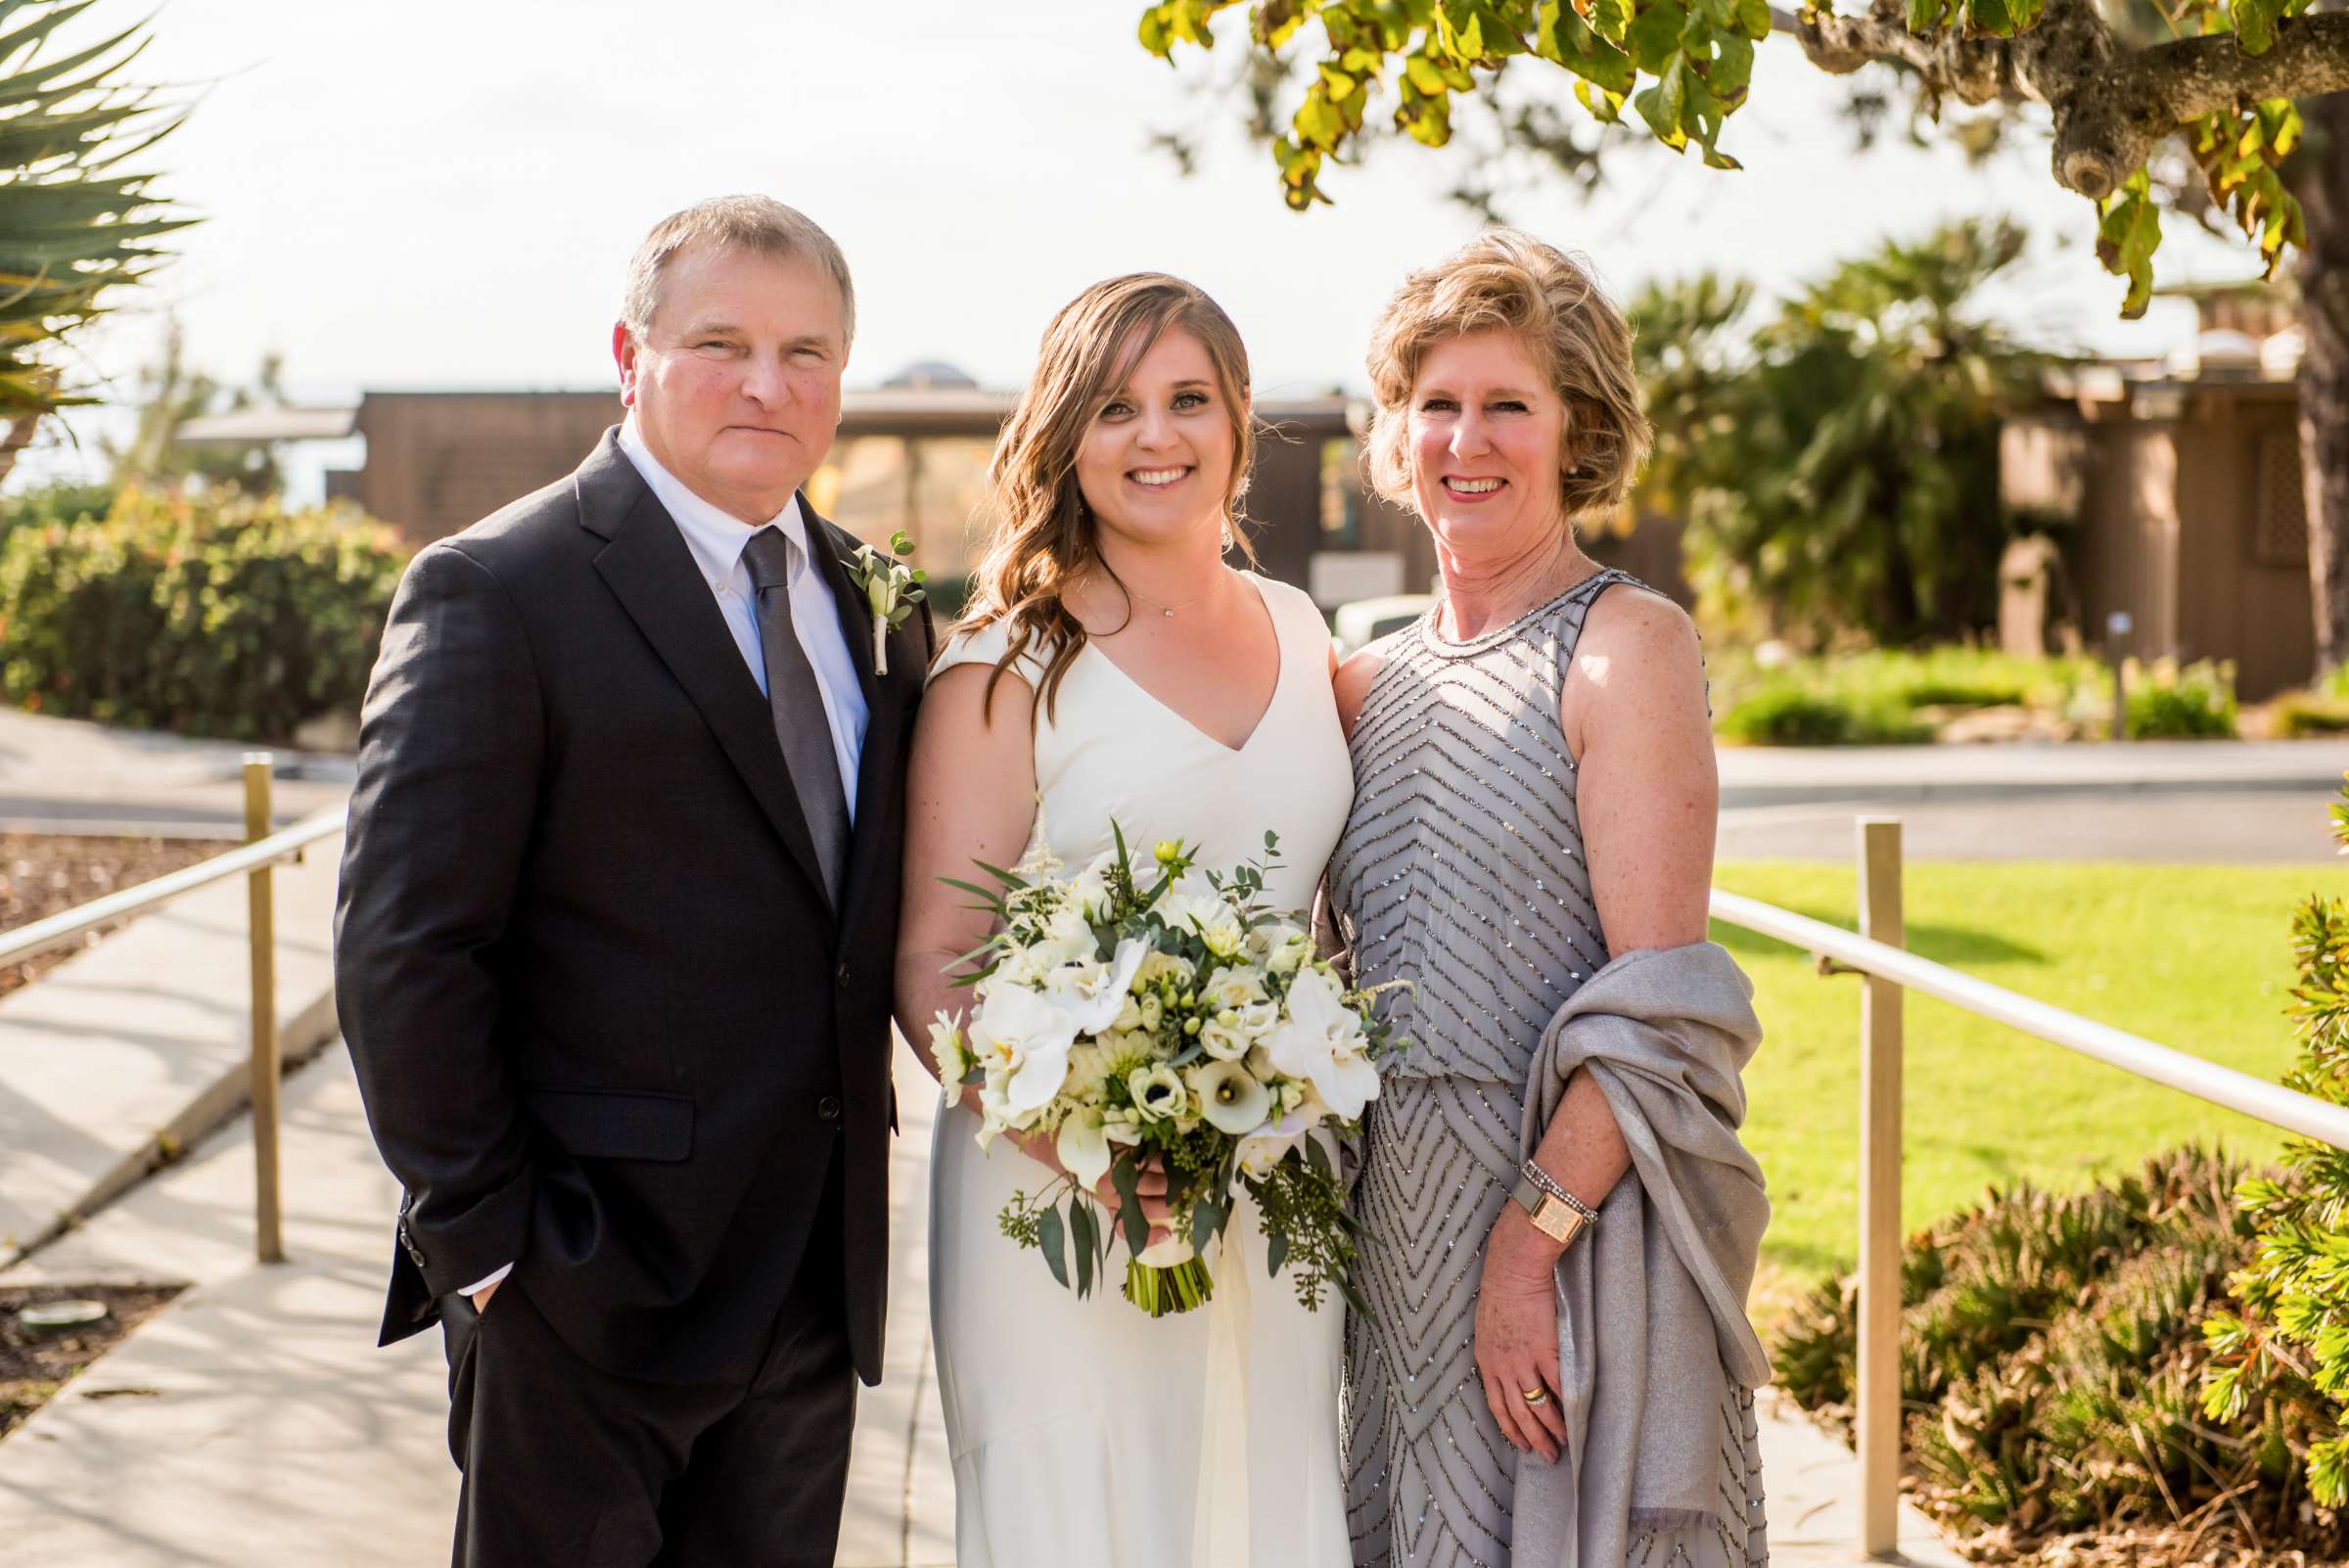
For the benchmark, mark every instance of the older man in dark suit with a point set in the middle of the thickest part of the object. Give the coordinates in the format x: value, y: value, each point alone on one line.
x: 614, y: 951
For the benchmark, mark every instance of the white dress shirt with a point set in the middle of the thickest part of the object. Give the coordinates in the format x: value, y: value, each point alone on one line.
x: 717, y: 541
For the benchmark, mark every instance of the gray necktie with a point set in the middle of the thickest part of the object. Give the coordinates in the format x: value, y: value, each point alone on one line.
x: 799, y: 707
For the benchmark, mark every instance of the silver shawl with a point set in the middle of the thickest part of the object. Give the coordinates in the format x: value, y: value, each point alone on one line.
x: 1657, y: 1287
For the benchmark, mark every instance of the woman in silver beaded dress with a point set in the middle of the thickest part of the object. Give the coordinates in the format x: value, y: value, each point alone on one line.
x: 1535, y: 797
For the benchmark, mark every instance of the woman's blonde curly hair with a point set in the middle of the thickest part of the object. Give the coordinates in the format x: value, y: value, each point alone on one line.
x: 1042, y: 537
x: 1506, y: 280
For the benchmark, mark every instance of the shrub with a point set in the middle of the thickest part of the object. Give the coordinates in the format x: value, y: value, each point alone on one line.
x: 2051, y: 1353
x: 2169, y: 703
x: 1788, y: 716
x: 220, y: 617
x: 2290, y: 1340
x: 1876, y: 694
x: 2297, y: 714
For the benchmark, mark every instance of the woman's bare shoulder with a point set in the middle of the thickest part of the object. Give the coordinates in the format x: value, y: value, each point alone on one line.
x: 1359, y: 670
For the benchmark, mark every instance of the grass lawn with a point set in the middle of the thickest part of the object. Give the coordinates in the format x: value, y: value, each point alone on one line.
x: 2198, y: 957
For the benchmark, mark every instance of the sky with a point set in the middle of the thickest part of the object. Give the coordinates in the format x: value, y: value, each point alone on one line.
x: 444, y: 195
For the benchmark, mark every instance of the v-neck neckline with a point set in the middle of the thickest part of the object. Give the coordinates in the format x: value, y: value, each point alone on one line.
x: 1280, y: 680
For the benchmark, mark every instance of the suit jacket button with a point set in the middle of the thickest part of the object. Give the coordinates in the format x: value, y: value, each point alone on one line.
x: 828, y: 1108
x: 844, y: 977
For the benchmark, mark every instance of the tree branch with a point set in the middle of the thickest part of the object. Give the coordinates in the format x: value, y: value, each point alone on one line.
x: 2113, y: 120
x: 2110, y: 107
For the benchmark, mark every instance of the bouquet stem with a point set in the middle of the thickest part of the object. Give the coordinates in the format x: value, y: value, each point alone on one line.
x: 1159, y: 1291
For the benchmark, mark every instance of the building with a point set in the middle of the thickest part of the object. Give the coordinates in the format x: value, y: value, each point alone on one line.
x: 2174, y: 488
x: 910, y: 455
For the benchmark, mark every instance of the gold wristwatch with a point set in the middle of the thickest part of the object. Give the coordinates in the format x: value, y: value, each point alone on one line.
x: 1556, y: 1212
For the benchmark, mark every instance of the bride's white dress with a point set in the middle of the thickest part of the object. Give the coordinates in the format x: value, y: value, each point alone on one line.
x: 1075, y: 1427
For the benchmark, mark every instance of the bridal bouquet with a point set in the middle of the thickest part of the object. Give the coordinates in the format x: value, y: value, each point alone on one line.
x: 1151, y: 1013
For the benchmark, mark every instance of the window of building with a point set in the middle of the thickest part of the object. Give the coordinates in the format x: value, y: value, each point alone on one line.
x: 2279, y: 531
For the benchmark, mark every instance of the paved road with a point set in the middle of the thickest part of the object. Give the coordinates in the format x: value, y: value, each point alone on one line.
x: 2249, y: 827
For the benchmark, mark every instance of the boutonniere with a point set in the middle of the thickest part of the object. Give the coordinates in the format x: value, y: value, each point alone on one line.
x: 891, y: 587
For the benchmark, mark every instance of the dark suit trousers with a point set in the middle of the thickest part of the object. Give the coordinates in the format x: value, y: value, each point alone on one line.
x: 568, y: 1466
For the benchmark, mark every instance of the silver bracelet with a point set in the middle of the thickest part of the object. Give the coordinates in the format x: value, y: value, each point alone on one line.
x: 1548, y: 1183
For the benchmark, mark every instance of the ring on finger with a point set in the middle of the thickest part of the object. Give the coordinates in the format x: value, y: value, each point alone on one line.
x: 1537, y: 1395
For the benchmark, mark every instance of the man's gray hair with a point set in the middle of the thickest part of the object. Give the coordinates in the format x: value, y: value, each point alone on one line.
x: 760, y: 224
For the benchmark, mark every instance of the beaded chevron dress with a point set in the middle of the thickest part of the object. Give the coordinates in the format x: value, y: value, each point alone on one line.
x: 1461, y: 872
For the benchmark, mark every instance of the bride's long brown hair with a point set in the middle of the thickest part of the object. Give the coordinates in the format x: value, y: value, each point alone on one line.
x: 1043, y: 532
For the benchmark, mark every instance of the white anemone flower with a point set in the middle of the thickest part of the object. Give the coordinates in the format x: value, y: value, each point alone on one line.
x: 1230, y: 1097
x: 1093, y: 994
x: 1023, y: 1041
x: 952, y: 1057
x: 1322, y: 1041
x: 1083, y: 1146
x: 1159, y: 1092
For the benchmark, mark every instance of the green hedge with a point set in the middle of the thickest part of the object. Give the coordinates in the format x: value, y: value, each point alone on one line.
x: 2051, y: 1358
x: 226, y: 617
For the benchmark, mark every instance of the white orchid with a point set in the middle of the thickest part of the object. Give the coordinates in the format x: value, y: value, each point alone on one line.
x: 1322, y: 1040
x: 1023, y: 1041
x: 1095, y: 995
x: 1083, y: 1146
x: 1229, y: 1096
x: 1268, y: 1145
x: 954, y: 1058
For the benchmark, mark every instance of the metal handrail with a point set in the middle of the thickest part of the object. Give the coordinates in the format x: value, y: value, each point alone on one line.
x: 2260, y: 1098
x: 60, y: 930
x: 1878, y: 952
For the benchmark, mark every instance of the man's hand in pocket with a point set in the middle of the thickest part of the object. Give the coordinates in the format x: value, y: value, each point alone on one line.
x: 481, y: 1297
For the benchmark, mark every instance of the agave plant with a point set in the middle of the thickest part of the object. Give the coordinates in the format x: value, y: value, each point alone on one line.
x: 74, y: 222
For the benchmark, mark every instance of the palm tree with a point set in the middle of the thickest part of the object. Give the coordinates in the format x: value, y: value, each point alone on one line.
x: 1841, y: 473
x: 72, y: 223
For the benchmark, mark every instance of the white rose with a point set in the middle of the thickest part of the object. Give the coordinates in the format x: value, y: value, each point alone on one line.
x: 1291, y: 954
x: 1158, y: 966
x: 1234, y: 985
x: 1222, y: 1041
x: 1229, y: 1096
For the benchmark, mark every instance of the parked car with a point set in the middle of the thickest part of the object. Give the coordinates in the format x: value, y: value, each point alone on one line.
x: 1365, y: 621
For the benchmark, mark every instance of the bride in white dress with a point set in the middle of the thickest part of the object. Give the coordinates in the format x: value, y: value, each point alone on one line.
x: 1113, y: 667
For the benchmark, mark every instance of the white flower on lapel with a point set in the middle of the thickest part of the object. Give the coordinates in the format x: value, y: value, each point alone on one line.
x: 891, y: 588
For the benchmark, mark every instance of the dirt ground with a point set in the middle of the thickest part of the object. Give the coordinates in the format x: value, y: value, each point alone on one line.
x: 44, y: 874
x: 33, y: 1370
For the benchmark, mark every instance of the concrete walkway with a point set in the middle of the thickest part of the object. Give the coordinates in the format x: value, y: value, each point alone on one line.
x: 132, y: 1050
x: 69, y: 776
x: 255, y: 1421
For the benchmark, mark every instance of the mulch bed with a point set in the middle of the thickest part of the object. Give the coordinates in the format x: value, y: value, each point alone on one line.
x: 33, y: 1370
x: 44, y: 874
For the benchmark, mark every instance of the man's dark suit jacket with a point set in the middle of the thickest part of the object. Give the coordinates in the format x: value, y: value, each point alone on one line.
x: 606, y: 1021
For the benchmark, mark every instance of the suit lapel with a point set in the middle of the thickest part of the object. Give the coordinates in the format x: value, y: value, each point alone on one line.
x: 886, y: 697
x: 649, y: 569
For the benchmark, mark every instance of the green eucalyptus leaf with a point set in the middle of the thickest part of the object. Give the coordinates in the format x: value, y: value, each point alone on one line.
x: 1048, y: 1237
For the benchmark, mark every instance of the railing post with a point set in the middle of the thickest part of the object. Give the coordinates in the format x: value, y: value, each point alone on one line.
x: 262, y: 924
x: 1879, y: 1395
